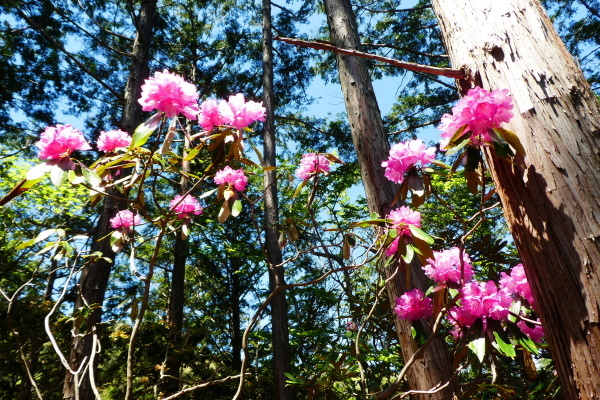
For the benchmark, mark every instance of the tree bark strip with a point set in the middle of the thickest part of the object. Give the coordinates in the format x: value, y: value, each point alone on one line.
x: 551, y: 197
x: 372, y: 147
x: 279, y: 314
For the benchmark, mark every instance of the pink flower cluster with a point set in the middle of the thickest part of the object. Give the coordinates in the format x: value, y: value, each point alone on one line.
x: 516, y: 284
x: 170, y: 94
x: 401, y: 219
x: 236, y: 112
x: 233, y: 177
x: 446, y: 267
x: 480, y: 111
x: 413, y: 305
x: 185, y: 206
x: 481, y: 300
x: 60, y: 141
x: 312, y: 164
x: 109, y: 141
x: 125, y: 220
x: 403, y: 156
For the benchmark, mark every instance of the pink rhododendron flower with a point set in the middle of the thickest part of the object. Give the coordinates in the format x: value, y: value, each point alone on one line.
x: 60, y: 141
x: 403, y: 156
x: 480, y: 111
x: 233, y: 177
x: 244, y: 112
x: 352, y: 326
x: 401, y: 219
x: 170, y: 94
x: 516, y: 284
x: 446, y: 266
x: 480, y: 300
x: 125, y: 220
x: 184, y: 207
x: 108, y: 141
x: 413, y: 305
x: 236, y: 112
x: 311, y: 164
x: 536, y: 333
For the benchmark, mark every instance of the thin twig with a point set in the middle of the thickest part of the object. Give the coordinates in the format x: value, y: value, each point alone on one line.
x: 203, y: 385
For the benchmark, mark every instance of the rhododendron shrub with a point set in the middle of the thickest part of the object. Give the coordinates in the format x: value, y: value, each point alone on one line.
x: 413, y: 305
x: 111, y: 140
x: 125, y: 220
x: 60, y: 141
x: 404, y: 156
x: 312, y: 164
x: 446, y: 267
x: 235, y: 178
x: 236, y: 112
x: 185, y: 206
x: 401, y: 220
x: 170, y: 94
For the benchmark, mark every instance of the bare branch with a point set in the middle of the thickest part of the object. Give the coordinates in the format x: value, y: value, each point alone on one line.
x: 447, y: 72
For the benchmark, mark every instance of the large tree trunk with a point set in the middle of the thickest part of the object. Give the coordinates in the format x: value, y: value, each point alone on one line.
x: 94, y: 276
x: 372, y: 147
x: 279, y: 317
x: 551, y: 197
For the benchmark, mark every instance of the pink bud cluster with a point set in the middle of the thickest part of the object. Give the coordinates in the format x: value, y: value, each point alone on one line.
x: 401, y: 218
x: 125, y: 220
x: 170, y: 94
x: 236, y: 112
x: 111, y: 140
x: 232, y: 177
x: 405, y: 155
x: 185, y: 206
x: 479, y: 111
x: 60, y: 141
x: 516, y: 284
x: 312, y: 164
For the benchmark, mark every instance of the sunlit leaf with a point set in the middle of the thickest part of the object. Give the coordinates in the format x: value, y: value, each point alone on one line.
x: 477, y: 346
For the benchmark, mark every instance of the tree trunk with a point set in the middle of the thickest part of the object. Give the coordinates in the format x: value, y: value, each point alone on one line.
x: 551, y: 196
x: 372, y: 147
x: 94, y: 276
x: 171, y: 384
x: 279, y: 318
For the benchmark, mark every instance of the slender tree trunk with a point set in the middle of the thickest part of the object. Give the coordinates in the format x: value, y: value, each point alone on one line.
x: 551, y: 197
x: 279, y: 317
x: 372, y: 147
x: 236, y: 314
x: 94, y: 276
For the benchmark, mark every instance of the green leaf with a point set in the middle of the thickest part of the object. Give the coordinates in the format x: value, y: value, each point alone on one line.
x: 410, y: 253
x: 511, y: 138
x: 477, y: 346
x: 58, y: 176
x: 237, y: 208
x: 299, y: 188
x: 91, y: 176
x: 505, y: 348
x: 143, y: 132
x: 418, y: 233
x: 37, y: 172
x: 191, y: 154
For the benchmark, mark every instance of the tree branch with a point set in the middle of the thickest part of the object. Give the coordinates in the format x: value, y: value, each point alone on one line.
x: 447, y: 72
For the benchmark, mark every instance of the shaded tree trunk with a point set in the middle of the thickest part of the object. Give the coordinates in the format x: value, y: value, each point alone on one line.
x: 372, y: 147
x: 94, y: 276
x: 551, y: 196
x: 279, y: 317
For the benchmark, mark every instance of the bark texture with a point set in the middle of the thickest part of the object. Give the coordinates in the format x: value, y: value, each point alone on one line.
x: 551, y: 197
x: 372, y: 147
x: 279, y: 315
x: 94, y: 276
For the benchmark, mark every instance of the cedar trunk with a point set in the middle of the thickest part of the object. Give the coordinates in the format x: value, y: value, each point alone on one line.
x: 372, y: 147
x: 551, y: 197
x: 94, y: 276
x: 279, y: 316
